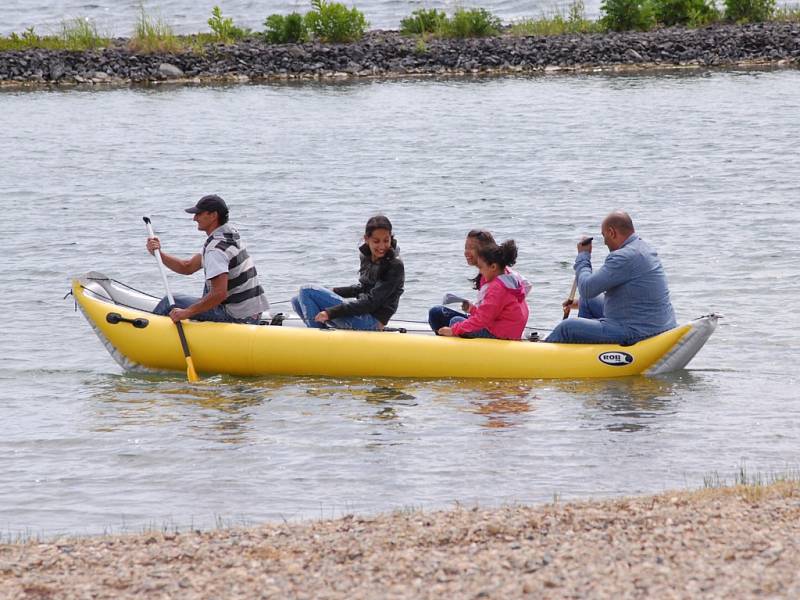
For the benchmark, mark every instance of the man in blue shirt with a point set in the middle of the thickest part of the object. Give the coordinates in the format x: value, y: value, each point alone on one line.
x: 636, y: 303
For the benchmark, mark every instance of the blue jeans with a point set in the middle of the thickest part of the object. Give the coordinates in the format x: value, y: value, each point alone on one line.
x: 439, y: 316
x: 313, y: 299
x: 482, y: 333
x: 590, y: 327
x: 217, y: 314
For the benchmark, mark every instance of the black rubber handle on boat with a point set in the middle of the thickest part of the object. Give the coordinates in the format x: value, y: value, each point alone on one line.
x: 115, y: 318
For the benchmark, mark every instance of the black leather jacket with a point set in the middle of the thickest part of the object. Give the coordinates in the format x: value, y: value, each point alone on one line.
x: 378, y: 290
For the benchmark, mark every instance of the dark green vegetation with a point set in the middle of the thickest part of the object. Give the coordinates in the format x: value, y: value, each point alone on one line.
x: 326, y: 22
x: 335, y: 22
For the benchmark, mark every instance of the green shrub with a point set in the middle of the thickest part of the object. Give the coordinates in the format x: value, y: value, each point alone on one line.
x: 334, y: 22
x: 423, y: 21
x: 153, y: 35
x: 749, y: 11
x: 470, y: 22
x: 288, y: 29
x: 627, y: 15
x: 223, y: 27
x: 693, y: 13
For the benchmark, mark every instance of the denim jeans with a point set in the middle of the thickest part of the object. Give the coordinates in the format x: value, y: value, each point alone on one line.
x: 217, y: 314
x: 590, y: 327
x: 312, y: 300
x: 439, y: 316
x: 482, y: 333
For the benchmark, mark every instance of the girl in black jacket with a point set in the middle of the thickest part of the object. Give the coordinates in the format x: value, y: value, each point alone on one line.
x: 370, y: 303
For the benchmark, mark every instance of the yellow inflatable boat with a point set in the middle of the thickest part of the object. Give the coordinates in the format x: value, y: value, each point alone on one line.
x: 144, y: 342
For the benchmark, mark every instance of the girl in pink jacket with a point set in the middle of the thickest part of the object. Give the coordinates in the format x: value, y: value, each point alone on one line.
x: 501, y: 311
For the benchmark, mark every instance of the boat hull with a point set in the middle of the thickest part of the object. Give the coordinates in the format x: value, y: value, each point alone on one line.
x: 259, y: 350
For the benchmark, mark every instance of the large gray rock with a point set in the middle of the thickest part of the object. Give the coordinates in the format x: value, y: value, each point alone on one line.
x: 169, y: 71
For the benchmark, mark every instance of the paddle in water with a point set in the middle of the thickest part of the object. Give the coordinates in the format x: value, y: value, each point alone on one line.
x: 191, y: 374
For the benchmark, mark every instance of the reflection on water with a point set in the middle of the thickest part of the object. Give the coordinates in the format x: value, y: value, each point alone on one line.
x: 632, y: 403
x: 504, y: 405
x: 225, y: 408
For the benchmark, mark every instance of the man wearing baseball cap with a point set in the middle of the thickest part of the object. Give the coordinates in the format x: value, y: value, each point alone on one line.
x: 232, y: 292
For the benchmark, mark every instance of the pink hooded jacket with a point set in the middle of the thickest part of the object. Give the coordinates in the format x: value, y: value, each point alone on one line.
x: 502, y: 308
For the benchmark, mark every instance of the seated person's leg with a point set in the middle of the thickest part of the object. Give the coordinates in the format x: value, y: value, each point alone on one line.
x: 358, y: 323
x: 181, y: 301
x: 298, y: 308
x: 591, y: 308
x: 483, y: 333
x: 313, y: 299
x: 439, y: 316
x: 587, y: 331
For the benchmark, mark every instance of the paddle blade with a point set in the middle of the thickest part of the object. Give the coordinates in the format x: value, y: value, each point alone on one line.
x: 191, y: 374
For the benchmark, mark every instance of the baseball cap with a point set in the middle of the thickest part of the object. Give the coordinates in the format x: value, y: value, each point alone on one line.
x: 210, y: 203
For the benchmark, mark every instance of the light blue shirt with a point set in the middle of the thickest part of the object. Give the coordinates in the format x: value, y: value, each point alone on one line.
x: 635, y: 286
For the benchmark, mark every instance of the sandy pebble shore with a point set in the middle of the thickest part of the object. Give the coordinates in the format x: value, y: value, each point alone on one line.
x: 741, y: 542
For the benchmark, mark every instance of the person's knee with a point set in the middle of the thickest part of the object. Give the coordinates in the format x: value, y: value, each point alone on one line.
x: 163, y: 307
x: 304, y: 289
x: 435, y: 315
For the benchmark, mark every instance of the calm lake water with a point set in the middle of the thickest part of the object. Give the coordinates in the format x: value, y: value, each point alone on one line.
x: 706, y: 162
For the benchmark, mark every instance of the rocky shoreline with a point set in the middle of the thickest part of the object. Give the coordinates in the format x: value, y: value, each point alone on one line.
x: 388, y: 54
x: 739, y: 542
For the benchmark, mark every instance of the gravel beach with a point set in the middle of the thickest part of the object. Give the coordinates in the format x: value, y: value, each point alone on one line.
x: 737, y: 542
x: 384, y: 54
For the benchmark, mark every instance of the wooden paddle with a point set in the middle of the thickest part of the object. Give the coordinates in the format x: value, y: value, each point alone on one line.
x: 191, y: 374
x: 568, y: 307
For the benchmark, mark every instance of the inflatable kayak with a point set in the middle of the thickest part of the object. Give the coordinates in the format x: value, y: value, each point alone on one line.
x: 143, y: 342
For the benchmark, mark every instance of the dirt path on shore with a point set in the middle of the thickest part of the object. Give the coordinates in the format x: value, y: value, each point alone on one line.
x: 741, y: 542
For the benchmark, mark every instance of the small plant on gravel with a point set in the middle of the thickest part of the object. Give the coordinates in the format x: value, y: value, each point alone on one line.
x: 285, y: 29
x: 22, y: 41
x: 559, y: 22
x: 334, y: 22
x: 423, y: 21
x: 692, y: 13
x: 749, y: 11
x: 223, y: 27
x: 81, y: 34
x: 421, y: 47
x: 152, y: 34
x: 627, y: 15
x: 470, y: 22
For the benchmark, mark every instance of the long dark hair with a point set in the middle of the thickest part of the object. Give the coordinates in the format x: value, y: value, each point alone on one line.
x: 378, y: 222
x: 504, y: 255
x: 484, y: 238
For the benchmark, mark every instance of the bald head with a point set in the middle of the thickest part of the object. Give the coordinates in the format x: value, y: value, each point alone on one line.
x: 617, y: 227
x: 619, y: 220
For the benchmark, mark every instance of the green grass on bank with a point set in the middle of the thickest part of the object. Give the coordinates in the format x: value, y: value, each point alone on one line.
x: 752, y: 485
x: 72, y: 34
x: 334, y: 22
x: 558, y: 21
x: 152, y: 34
